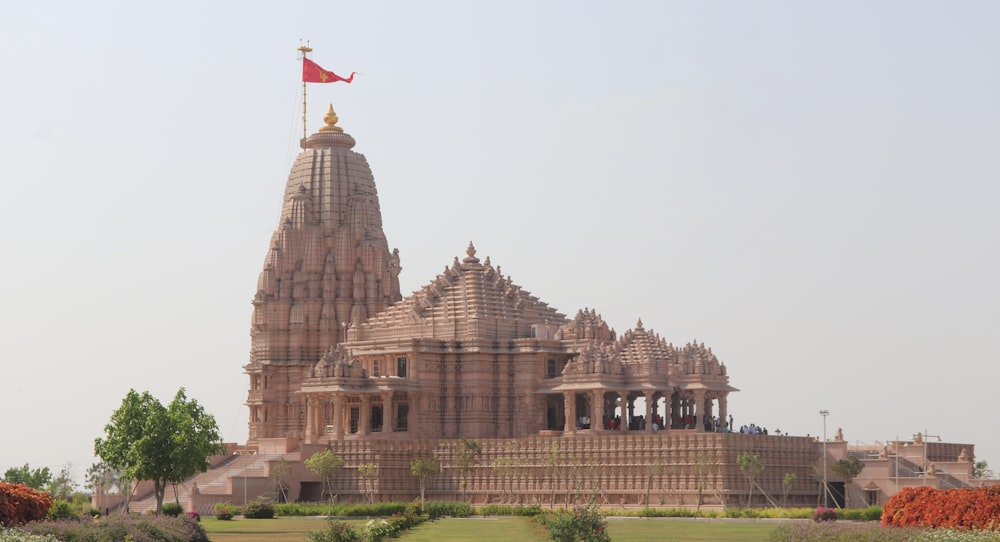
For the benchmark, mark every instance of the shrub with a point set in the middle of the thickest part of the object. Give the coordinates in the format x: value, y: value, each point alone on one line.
x: 336, y: 531
x: 123, y: 527
x: 16, y: 535
x: 582, y: 524
x: 506, y: 510
x: 258, y: 509
x: 950, y: 508
x: 194, y: 515
x: 20, y: 504
x: 61, y: 509
x: 824, y: 514
x: 225, y: 510
x: 440, y: 509
x: 172, y: 509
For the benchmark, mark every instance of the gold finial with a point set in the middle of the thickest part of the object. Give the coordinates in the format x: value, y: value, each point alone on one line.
x: 331, y: 121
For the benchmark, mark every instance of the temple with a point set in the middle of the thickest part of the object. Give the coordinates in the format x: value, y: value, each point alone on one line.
x: 563, y: 408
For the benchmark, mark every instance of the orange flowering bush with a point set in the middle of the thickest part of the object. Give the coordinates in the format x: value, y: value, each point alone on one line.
x: 20, y: 504
x: 949, y: 508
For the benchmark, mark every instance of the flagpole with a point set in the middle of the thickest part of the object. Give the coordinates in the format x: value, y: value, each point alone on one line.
x: 304, y: 49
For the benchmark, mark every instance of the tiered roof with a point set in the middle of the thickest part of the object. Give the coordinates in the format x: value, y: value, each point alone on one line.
x: 469, y: 299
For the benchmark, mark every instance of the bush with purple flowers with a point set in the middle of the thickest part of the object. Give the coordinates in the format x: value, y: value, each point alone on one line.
x: 121, y: 527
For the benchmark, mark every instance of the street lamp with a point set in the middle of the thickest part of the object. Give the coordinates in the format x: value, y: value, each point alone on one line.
x: 824, y: 413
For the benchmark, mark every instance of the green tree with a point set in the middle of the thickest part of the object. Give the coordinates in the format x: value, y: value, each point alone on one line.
x: 62, y: 485
x: 34, y: 478
x: 786, y: 485
x: 277, y: 471
x: 652, y: 470
x: 423, y: 469
x: 148, y: 441
x: 466, y: 455
x: 101, y: 479
x: 553, y: 459
x: 848, y: 469
x: 982, y: 470
x: 327, y: 466
x: 751, y: 466
x: 704, y: 466
x: 369, y: 472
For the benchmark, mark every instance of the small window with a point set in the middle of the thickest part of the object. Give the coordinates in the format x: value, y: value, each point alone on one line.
x: 355, y: 419
x: 401, y: 367
x: 402, y: 412
x: 550, y: 368
x: 376, y: 368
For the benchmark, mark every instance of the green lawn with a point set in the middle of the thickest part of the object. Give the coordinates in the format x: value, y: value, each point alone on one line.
x: 505, y: 529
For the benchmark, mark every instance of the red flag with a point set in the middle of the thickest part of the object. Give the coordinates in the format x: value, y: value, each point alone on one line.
x: 312, y: 73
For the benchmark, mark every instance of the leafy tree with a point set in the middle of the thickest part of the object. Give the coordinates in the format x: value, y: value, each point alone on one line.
x: 656, y: 468
x: 148, y: 441
x: 787, y: 483
x: 751, y: 466
x: 504, y: 469
x: 327, y: 466
x: 704, y: 465
x: 369, y: 472
x: 982, y: 470
x: 33, y: 478
x: 423, y: 469
x: 62, y: 486
x: 848, y: 469
x: 466, y: 456
x: 277, y: 472
x: 552, y: 461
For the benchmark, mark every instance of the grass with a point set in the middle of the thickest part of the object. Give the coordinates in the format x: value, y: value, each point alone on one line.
x: 503, y: 529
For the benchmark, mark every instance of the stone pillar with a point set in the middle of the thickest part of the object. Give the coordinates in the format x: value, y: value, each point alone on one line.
x: 388, y: 413
x: 625, y: 410
x: 338, y: 416
x: 569, y: 412
x: 724, y: 408
x: 597, y: 411
x: 365, y: 423
x: 699, y: 414
x: 649, y: 411
x: 310, y: 436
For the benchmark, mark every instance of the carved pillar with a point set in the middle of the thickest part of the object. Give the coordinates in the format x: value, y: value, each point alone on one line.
x: 724, y: 408
x: 310, y: 436
x: 388, y: 413
x: 569, y: 411
x: 597, y: 411
x: 365, y: 423
x: 338, y: 416
x: 699, y: 414
x: 625, y: 410
x: 648, y: 420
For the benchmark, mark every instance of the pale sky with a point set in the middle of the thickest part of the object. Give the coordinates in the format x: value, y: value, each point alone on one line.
x: 810, y: 188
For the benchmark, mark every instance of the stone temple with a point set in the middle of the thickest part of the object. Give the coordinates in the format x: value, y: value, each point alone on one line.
x: 563, y: 407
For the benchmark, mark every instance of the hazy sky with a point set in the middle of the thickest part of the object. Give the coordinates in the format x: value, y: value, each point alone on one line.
x: 810, y: 188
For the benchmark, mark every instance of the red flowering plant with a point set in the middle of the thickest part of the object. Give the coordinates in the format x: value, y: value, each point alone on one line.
x: 960, y: 509
x: 20, y: 504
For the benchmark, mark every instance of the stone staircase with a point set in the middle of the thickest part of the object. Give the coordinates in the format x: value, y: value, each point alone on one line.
x: 217, y: 482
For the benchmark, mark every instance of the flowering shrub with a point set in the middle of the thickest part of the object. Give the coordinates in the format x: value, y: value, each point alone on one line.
x: 824, y: 514
x: 225, y: 510
x: 194, y: 515
x: 16, y: 535
x: 123, y: 527
x: 21, y: 504
x: 258, y: 509
x: 583, y: 524
x: 950, y: 508
x: 336, y: 531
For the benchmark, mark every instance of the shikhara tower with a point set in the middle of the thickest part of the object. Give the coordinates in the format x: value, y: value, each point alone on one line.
x: 328, y: 267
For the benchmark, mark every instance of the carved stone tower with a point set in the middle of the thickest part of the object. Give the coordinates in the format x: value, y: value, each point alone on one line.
x: 328, y: 267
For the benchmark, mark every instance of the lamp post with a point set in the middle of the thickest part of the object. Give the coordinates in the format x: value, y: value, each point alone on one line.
x: 824, y: 413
